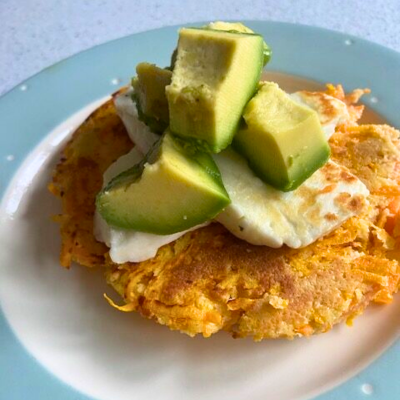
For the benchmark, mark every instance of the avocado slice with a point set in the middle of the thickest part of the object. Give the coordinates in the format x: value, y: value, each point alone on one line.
x: 240, y: 28
x: 283, y: 141
x: 149, y: 95
x: 177, y: 186
x: 215, y: 75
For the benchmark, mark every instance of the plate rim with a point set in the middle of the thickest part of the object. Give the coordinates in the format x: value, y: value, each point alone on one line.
x: 368, y: 42
x: 73, y: 393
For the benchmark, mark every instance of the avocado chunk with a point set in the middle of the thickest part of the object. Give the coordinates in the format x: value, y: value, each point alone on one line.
x: 149, y: 95
x: 283, y: 141
x: 215, y: 75
x: 240, y: 28
x: 228, y: 27
x: 177, y: 186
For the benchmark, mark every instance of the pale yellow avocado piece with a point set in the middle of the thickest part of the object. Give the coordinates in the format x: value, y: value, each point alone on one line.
x: 150, y: 95
x: 215, y: 75
x: 283, y: 141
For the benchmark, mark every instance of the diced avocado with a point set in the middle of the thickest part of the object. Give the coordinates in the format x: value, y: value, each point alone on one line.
x: 239, y: 27
x: 150, y: 95
x: 283, y: 140
x: 215, y: 75
x: 176, y: 187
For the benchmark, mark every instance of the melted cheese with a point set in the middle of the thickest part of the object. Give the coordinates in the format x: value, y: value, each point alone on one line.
x: 138, y: 131
x: 331, y: 111
x: 262, y: 215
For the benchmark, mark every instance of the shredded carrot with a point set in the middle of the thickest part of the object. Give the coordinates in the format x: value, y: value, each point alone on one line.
x: 394, y: 205
x: 393, y: 217
x: 388, y: 191
x: 305, y: 330
x: 125, y: 308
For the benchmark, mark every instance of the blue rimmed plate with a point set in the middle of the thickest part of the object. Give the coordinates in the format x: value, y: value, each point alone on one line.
x: 58, y: 337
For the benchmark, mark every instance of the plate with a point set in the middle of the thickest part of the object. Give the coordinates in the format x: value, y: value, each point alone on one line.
x: 58, y: 337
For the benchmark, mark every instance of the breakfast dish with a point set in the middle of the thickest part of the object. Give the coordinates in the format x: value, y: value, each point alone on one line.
x: 59, y: 332
x: 258, y: 248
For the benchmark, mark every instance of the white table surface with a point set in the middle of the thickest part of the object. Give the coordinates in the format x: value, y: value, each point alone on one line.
x: 37, y: 33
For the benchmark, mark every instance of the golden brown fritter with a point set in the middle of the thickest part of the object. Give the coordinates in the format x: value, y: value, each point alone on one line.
x: 96, y: 144
x: 209, y: 280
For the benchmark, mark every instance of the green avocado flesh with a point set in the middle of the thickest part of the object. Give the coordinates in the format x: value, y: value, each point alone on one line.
x: 150, y: 95
x: 177, y: 186
x: 240, y: 28
x: 215, y: 75
x: 283, y: 141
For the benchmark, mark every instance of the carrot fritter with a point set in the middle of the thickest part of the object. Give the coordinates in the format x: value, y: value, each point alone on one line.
x: 95, y: 145
x: 209, y: 280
